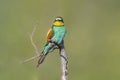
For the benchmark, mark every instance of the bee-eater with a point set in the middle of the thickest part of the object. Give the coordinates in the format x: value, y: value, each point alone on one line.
x: 55, y: 37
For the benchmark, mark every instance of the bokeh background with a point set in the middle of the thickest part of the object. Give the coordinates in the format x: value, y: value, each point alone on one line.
x: 92, y: 41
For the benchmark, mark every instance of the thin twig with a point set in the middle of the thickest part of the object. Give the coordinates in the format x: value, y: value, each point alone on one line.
x: 30, y: 59
x: 33, y: 44
x: 31, y: 39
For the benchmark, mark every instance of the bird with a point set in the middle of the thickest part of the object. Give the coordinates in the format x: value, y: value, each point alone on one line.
x: 55, y: 37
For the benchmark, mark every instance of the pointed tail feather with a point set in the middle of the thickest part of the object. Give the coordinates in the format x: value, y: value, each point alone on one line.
x: 40, y: 61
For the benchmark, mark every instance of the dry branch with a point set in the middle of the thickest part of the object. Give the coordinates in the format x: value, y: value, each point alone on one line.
x: 30, y: 59
x: 33, y: 44
x: 31, y: 39
x: 64, y: 64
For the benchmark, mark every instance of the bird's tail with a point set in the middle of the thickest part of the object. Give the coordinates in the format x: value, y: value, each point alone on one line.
x: 44, y: 53
x: 40, y: 61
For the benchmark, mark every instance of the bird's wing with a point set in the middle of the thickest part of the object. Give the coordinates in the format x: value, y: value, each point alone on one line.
x: 49, y: 35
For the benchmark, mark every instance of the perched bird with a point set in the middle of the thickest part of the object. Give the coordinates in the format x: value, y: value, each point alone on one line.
x: 55, y: 37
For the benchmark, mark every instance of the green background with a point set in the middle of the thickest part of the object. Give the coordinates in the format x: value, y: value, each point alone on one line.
x: 92, y: 41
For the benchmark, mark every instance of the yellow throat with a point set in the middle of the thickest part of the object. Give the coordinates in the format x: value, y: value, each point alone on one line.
x: 58, y: 23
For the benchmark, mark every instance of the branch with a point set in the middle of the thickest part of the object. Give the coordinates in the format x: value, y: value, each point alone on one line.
x: 33, y: 44
x: 30, y: 59
x: 64, y: 63
x: 31, y: 39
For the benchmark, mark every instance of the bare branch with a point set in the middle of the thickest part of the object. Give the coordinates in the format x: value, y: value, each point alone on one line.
x: 30, y: 59
x: 64, y: 63
x: 31, y: 39
x: 33, y: 44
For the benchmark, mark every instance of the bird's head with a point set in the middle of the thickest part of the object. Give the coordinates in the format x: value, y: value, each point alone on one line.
x: 58, y: 21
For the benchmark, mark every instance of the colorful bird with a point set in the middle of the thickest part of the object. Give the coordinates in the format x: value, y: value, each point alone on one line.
x: 55, y: 37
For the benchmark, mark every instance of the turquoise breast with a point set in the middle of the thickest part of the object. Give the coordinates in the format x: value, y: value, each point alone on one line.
x: 59, y: 33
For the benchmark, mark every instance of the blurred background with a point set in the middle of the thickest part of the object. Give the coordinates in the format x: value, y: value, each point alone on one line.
x: 92, y: 41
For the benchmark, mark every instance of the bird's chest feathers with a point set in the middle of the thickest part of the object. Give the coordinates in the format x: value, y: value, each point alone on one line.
x: 59, y: 34
x: 59, y: 30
